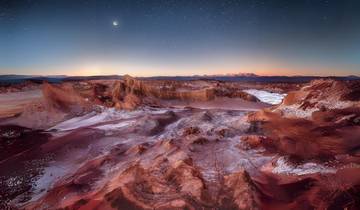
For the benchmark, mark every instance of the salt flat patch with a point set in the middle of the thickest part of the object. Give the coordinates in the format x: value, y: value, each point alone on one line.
x: 266, y: 97
x: 294, y: 111
x: 103, y: 116
x: 116, y: 125
x: 49, y: 177
x: 283, y: 167
x: 94, y: 118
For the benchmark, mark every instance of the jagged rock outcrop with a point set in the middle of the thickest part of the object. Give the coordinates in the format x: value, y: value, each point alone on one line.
x: 320, y: 95
x: 318, y: 124
x: 127, y: 94
x: 130, y: 93
x: 242, y: 190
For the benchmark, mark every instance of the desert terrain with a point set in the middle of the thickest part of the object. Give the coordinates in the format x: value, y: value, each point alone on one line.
x: 133, y: 143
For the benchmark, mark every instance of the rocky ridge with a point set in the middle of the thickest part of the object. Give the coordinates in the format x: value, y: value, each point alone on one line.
x: 318, y: 124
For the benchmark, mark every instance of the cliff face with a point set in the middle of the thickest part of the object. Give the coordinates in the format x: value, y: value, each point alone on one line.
x: 130, y: 93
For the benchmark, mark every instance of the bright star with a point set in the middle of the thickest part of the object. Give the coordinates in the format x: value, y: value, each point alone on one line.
x: 115, y: 23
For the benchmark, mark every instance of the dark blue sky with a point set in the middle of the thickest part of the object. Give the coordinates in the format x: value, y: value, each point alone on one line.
x: 180, y: 37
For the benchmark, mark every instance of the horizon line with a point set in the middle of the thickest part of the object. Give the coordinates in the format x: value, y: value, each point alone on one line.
x: 194, y: 75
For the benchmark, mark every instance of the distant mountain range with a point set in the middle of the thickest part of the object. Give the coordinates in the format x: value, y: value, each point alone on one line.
x: 248, y: 77
x: 15, y: 79
x: 230, y: 75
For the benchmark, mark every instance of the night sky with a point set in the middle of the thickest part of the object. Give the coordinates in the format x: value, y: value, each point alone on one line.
x: 182, y: 37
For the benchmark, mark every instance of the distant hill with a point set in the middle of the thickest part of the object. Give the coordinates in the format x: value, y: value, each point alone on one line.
x: 15, y: 79
x: 252, y: 78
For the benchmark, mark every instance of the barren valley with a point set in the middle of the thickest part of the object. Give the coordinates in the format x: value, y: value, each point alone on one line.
x: 202, y: 144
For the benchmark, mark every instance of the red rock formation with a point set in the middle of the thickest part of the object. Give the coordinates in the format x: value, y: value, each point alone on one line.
x: 318, y: 123
x: 131, y: 93
x: 321, y: 95
x: 164, y: 184
x: 314, y: 191
x: 326, y: 132
x: 128, y: 94
x: 63, y: 98
x: 191, y: 158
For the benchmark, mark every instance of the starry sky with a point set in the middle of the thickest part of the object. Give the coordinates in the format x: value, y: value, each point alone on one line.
x: 180, y: 37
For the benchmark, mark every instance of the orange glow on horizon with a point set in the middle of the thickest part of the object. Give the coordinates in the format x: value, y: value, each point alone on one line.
x: 271, y: 69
